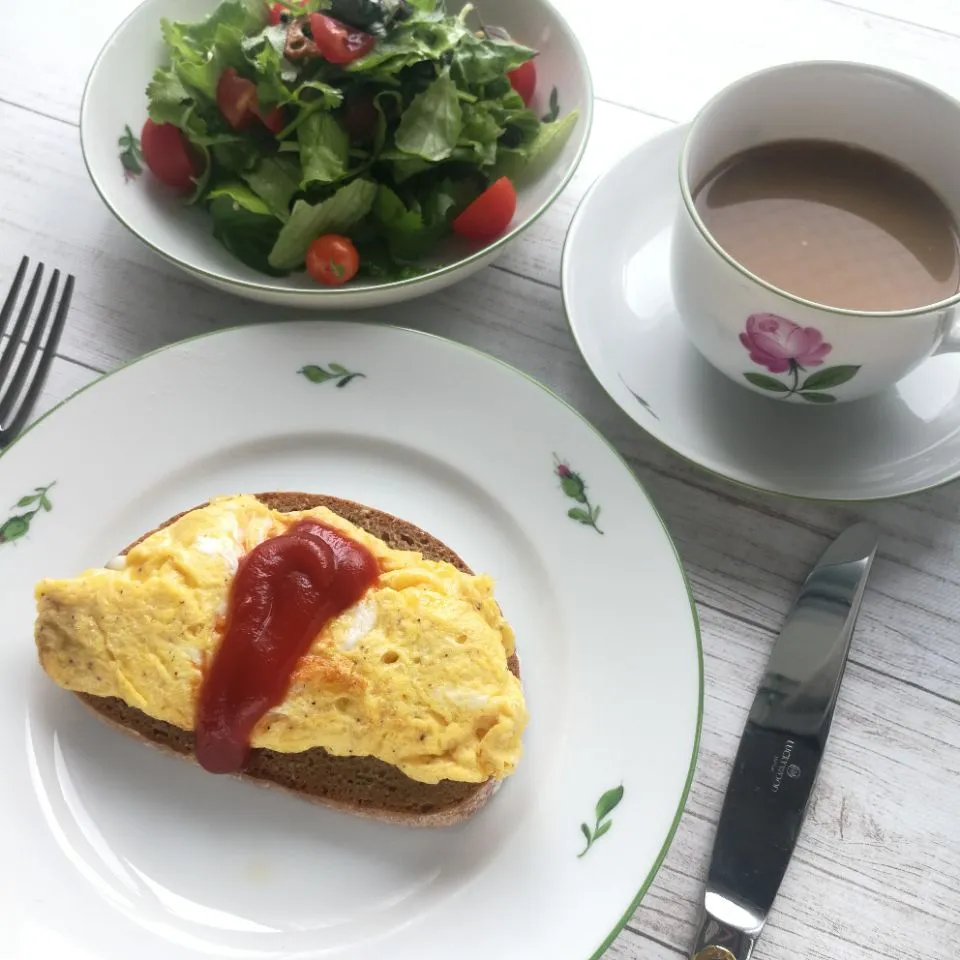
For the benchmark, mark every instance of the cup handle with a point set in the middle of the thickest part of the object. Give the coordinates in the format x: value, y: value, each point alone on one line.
x: 951, y: 339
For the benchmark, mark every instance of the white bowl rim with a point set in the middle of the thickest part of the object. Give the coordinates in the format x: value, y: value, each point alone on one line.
x: 346, y: 291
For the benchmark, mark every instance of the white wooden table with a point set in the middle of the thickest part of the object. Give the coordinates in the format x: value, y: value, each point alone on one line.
x: 877, y: 870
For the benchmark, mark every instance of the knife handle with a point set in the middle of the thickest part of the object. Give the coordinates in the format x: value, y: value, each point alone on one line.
x: 718, y: 941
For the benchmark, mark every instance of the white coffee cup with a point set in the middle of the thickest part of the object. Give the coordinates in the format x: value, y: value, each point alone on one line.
x: 765, y: 338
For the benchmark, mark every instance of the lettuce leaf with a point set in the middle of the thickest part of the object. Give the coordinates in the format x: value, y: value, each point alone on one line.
x: 242, y: 222
x: 480, y: 133
x: 273, y: 73
x: 199, y: 52
x: 426, y: 35
x: 275, y: 180
x: 479, y: 60
x: 413, y: 227
x: 347, y: 207
x: 324, y: 149
x: 430, y: 126
x: 530, y: 160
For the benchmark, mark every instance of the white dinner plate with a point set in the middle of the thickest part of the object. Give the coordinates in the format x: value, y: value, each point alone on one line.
x: 114, y: 851
x: 616, y: 289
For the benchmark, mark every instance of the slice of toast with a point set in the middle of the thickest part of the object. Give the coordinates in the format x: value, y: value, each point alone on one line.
x: 358, y: 785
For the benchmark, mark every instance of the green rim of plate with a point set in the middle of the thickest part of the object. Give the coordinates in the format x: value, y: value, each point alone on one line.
x: 668, y: 840
x: 333, y: 292
x: 565, y: 261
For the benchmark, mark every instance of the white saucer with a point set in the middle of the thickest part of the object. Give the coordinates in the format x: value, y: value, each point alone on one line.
x: 616, y: 289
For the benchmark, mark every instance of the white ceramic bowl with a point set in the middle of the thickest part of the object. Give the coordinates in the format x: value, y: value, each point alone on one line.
x: 115, y: 97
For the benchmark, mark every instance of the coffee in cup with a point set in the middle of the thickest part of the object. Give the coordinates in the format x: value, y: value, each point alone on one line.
x: 815, y: 255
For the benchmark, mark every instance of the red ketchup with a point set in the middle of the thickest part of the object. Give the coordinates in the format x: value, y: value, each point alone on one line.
x: 285, y: 591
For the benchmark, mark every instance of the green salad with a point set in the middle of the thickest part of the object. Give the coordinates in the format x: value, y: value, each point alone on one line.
x: 347, y: 137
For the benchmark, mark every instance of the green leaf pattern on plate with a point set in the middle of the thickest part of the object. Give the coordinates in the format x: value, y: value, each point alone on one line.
x: 17, y: 525
x: 573, y: 485
x: 554, y: 110
x: 130, y: 156
x: 333, y: 371
x: 602, y: 823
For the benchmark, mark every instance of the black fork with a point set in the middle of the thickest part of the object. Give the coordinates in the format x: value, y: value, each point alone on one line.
x: 19, y: 390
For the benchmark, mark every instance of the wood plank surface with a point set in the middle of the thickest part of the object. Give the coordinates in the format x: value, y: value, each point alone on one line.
x: 877, y: 871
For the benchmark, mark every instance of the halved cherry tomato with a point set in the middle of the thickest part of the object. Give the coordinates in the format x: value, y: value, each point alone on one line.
x: 524, y: 81
x: 236, y: 98
x: 490, y: 214
x: 274, y: 119
x: 278, y: 10
x: 166, y: 151
x: 360, y: 117
x: 339, y: 42
x: 332, y: 260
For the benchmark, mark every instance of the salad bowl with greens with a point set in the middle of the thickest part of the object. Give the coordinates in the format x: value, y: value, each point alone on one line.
x: 344, y: 153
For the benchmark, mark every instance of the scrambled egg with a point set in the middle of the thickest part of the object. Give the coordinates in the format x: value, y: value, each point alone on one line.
x: 415, y: 674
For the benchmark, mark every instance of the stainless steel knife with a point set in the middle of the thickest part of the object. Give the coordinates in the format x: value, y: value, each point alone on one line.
x: 781, y: 748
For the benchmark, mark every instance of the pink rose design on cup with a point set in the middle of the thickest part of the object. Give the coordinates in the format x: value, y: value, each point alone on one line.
x: 776, y: 343
x: 783, y: 346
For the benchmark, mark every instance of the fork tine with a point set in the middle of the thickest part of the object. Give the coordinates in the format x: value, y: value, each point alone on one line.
x: 11, y: 394
x: 8, y: 304
x: 16, y: 334
x: 43, y: 368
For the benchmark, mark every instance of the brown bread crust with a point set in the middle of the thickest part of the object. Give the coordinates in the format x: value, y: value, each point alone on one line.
x: 359, y: 785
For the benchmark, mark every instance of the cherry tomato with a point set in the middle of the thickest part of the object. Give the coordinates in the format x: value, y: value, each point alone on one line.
x: 236, y: 98
x: 524, y: 81
x: 332, y: 260
x: 274, y: 119
x: 490, y: 214
x: 360, y: 117
x: 279, y: 10
x: 339, y: 42
x: 167, y: 153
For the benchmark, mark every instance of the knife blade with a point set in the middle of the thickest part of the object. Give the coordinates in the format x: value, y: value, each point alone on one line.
x: 781, y: 748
